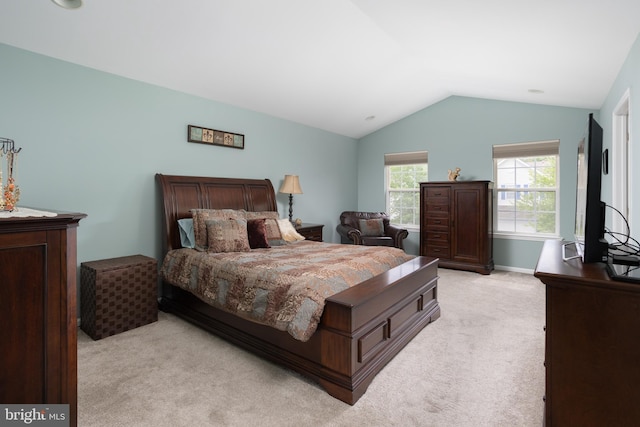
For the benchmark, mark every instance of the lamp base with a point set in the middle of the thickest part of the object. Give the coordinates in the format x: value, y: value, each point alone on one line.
x: 290, y: 207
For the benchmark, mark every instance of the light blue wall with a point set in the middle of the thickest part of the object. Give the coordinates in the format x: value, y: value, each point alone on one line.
x: 92, y: 142
x: 460, y: 132
x: 628, y: 79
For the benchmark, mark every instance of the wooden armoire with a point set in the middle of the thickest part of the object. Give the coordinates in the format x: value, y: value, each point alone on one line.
x: 456, y: 224
x: 38, y: 338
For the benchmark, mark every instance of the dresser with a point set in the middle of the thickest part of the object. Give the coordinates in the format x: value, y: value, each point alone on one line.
x: 456, y: 224
x: 592, y: 350
x: 38, y: 310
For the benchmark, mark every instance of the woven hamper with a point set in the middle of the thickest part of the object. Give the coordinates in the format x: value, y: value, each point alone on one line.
x: 117, y: 294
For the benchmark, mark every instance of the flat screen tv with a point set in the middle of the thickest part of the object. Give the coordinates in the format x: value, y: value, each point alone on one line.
x: 590, y: 210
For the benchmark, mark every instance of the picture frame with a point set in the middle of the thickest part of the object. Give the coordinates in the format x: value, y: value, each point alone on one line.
x: 202, y: 135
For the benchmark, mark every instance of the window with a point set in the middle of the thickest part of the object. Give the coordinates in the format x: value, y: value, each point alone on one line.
x: 526, y: 177
x: 403, y: 174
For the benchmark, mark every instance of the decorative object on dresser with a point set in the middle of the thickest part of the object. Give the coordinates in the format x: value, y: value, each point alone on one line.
x: 370, y: 229
x: 456, y: 224
x: 9, y: 193
x: 291, y: 186
x: 359, y: 329
x: 118, y: 294
x: 38, y: 309
x: 591, y: 346
x: 311, y: 231
x: 454, y: 174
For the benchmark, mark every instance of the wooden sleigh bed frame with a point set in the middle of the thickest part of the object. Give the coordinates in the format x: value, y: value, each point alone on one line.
x: 362, y: 328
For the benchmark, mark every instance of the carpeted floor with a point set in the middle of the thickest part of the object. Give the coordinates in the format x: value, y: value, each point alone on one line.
x: 480, y: 364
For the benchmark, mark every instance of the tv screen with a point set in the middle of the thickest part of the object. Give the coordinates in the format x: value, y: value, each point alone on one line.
x: 590, y: 211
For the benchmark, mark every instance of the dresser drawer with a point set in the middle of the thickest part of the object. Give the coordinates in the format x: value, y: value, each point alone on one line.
x: 433, y: 192
x: 438, y: 251
x: 437, y: 199
x: 311, y: 231
x: 437, y: 237
x: 315, y: 235
x: 437, y: 205
x: 438, y: 221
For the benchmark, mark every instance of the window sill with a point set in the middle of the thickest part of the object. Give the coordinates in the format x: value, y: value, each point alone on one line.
x: 528, y: 237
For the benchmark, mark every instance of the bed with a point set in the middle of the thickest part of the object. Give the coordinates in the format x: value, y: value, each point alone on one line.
x: 360, y: 328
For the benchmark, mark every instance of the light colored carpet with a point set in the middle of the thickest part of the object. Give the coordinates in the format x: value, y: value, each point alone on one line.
x: 480, y: 364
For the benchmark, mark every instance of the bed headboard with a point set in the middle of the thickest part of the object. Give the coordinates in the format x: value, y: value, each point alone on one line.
x: 180, y: 194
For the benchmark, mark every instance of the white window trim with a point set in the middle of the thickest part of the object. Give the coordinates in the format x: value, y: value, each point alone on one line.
x: 406, y: 158
x: 621, y: 153
x: 522, y: 150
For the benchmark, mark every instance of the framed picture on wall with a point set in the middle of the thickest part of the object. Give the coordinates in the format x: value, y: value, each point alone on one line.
x: 203, y: 135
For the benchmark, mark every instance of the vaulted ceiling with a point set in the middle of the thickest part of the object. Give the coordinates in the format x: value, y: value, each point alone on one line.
x: 349, y: 67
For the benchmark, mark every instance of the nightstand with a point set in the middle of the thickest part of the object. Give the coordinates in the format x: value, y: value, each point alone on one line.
x: 311, y: 231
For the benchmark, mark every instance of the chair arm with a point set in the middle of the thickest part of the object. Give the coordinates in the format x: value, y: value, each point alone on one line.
x: 349, y: 234
x: 398, y: 234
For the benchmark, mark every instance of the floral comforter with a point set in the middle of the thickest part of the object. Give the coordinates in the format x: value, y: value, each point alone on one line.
x: 284, y: 286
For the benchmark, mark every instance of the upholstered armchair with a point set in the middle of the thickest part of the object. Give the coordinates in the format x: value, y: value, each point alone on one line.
x: 370, y: 228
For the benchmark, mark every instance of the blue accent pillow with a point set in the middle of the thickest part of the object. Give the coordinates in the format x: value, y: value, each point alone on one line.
x: 187, y: 236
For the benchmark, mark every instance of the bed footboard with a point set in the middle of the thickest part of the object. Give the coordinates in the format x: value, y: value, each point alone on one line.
x: 364, y: 327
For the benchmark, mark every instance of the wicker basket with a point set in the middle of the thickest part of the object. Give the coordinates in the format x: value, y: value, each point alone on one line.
x: 117, y: 295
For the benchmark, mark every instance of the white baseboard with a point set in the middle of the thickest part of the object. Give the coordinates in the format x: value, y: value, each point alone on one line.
x: 514, y: 269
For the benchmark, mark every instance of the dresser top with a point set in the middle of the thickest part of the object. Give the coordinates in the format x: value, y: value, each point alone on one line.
x: 31, y: 223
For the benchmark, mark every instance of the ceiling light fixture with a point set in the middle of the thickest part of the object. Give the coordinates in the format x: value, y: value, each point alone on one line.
x: 370, y: 118
x: 536, y: 91
x: 68, y: 4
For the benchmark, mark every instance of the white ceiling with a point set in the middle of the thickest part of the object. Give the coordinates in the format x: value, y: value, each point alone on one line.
x: 332, y: 64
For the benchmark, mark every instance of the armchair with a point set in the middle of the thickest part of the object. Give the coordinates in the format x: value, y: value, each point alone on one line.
x: 370, y: 229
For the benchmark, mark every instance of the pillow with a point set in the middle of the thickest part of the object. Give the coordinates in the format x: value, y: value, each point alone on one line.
x: 371, y: 227
x: 227, y: 235
x: 289, y: 234
x: 187, y: 238
x: 200, y: 216
x: 273, y: 232
x: 257, y: 231
x: 262, y: 214
x: 271, y: 223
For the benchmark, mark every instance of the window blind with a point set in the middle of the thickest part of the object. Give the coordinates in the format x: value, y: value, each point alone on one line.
x: 410, y: 158
x: 527, y: 149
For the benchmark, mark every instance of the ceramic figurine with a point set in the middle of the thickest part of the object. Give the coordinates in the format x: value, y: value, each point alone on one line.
x: 453, y: 175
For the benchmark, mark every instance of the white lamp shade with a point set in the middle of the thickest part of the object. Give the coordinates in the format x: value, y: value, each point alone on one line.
x: 291, y: 185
